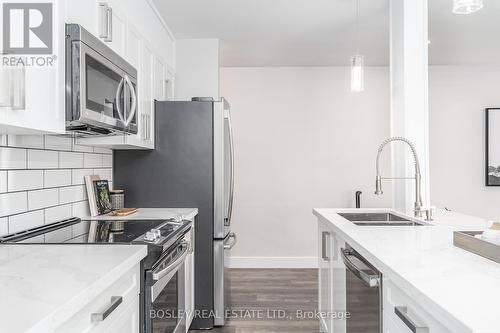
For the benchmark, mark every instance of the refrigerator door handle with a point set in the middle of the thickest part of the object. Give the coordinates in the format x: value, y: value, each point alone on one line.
x: 231, y: 179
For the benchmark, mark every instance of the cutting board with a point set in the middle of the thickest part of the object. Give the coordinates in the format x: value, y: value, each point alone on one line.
x: 123, y: 211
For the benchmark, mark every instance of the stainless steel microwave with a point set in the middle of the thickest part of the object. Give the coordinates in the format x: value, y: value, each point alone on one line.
x: 101, y: 87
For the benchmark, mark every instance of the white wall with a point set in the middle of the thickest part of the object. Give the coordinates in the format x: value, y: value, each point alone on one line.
x: 458, y: 97
x: 196, y: 68
x: 302, y: 140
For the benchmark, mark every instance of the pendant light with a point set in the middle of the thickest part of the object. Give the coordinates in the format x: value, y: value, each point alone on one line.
x: 357, y: 62
x: 467, y: 6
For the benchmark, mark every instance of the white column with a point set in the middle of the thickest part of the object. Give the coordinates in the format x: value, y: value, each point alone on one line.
x: 409, y: 96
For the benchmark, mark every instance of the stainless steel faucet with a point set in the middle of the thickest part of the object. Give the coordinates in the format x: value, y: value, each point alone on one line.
x: 418, y: 177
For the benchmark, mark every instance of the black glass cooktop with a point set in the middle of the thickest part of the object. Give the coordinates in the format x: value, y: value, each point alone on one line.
x: 78, y: 231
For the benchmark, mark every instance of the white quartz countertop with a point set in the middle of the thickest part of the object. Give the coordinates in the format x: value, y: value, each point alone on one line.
x: 42, y: 286
x: 151, y: 214
x: 449, y: 282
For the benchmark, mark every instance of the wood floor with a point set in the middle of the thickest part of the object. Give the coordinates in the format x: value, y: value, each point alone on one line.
x: 260, y: 298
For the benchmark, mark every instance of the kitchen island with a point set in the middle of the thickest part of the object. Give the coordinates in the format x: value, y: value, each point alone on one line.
x: 57, y: 288
x: 443, y: 288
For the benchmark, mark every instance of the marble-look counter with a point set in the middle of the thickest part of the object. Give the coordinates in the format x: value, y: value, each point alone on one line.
x: 151, y: 214
x: 42, y: 285
x: 447, y: 281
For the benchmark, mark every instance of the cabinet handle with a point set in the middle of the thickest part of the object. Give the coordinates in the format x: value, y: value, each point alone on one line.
x: 402, y: 313
x: 325, y: 240
x: 103, y: 20
x: 100, y: 316
x: 109, y: 17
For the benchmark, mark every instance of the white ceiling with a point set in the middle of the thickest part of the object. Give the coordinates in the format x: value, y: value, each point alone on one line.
x: 322, y: 32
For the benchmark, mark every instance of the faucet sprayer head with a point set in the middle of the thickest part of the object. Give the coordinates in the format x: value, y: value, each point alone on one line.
x: 378, y: 186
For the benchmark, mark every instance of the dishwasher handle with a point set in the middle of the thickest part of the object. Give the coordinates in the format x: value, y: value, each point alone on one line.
x: 371, y: 280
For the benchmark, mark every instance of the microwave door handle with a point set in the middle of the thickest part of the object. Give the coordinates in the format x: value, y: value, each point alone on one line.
x: 371, y: 280
x: 133, y: 107
x: 157, y: 275
x: 117, y: 99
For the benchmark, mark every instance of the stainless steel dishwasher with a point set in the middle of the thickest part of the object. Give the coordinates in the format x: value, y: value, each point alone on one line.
x: 363, y: 293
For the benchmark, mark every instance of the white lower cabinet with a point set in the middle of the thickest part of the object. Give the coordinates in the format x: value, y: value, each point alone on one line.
x: 332, y: 280
x: 117, y: 307
x: 402, y: 314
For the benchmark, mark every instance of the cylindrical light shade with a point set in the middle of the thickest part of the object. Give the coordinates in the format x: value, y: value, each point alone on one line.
x: 466, y: 6
x: 357, y: 73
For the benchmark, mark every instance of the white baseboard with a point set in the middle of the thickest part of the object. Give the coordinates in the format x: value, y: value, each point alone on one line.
x: 273, y: 262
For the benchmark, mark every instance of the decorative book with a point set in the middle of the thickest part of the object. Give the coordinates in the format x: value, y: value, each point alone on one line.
x: 89, y: 184
x: 102, y: 197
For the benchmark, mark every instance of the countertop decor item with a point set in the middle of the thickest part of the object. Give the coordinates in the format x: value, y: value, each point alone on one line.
x: 123, y: 211
x: 493, y: 147
x: 103, y: 201
x: 117, y: 198
x: 89, y: 184
x: 467, y: 241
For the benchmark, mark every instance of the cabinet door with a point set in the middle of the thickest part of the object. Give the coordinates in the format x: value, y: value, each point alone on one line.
x: 325, y: 276
x: 189, y: 282
x: 159, y: 79
x: 86, y: 13
x: 118, y: 29
x: 146, y: 94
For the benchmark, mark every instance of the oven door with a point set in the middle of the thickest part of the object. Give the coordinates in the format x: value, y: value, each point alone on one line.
x: 104, y: 94
x: 165, y: 293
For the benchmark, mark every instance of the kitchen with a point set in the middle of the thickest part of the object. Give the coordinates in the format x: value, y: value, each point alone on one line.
x: 241, y: 131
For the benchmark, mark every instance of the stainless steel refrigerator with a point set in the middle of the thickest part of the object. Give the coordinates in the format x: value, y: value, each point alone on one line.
x: 192, y: 165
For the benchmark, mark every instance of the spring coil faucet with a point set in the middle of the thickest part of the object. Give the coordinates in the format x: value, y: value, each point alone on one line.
x: 418, y: 177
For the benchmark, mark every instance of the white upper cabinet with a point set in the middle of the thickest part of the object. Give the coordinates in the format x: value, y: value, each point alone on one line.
x: 129, y: 27
x: 32, y: 94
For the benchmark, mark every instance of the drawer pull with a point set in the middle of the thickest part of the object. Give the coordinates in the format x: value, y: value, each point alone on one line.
x: 100, y: 316
x: 402, y: 313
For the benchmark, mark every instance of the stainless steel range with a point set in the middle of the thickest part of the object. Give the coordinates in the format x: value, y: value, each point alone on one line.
x: 162, y: 286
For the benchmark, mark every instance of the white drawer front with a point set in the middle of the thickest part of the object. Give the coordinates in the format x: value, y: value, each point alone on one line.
x: 410, y: 315
x: 127, y: 287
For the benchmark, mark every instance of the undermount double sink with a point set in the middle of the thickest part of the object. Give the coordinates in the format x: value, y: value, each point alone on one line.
x: 381, y: 219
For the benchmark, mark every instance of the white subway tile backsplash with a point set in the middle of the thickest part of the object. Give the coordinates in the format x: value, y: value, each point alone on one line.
x: 72, y: 194
x: 92, y: 160
x: 104, y: 173
x: 43, y: 159
x: 42, y: 181
x: 12, y: 158
x: 81, y: 209
x: 3, y: 181
x: 103, y: 150
x: 58, y: 213
x: 70, y: 160
x: 107, y: 161
x: 22, y: 180
x: 25, y: 141
x: 84, y: 149
x: 4, y: 226
x: 13, y: 203
x: 57, y: 178
x: 25, y: 221
x: 43, y: 198
x: 78, y: 175
x: 58, y: 142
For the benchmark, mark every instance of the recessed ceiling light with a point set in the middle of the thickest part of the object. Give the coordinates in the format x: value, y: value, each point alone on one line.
x: 467, y: 6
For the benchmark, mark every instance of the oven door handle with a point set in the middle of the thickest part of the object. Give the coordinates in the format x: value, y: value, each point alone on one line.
x: 157, y: 275
x: 371, y: 280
